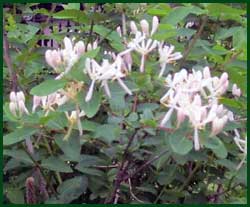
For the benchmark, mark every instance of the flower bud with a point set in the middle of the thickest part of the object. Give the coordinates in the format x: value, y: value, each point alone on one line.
x: 133, y: 27
x: 218, y: 124
x: 13, y: 97
x: 13, y: 108
x: 223, y: 78
x: 206, y: 73
x: 155, y: 24
x: 20, y: 96
x: 79, y: 48
x: 89, y: 47
x: 22, y: 108
x: 145, y: 26
x: 68, y: 44
x: 236, y: 91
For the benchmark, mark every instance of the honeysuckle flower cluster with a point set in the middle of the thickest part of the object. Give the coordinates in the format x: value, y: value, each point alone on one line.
x: 48, y: 103
x: 105, y: 72
x: 17, y: 104
x: 144, y: 44
x: 195, y: 96
x: 62, y: 60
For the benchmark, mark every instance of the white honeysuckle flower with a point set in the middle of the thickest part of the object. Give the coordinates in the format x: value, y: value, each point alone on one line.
x: 62, y: 60
x: 142, y: 43
x: 48, y: 103
x: 195, y: 96
x: 167, y: 56
x: 236, y: 91
x: 17, y: 104
x: 105, y: 72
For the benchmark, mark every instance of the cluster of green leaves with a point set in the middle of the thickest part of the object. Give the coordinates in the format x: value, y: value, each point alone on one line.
x: 83, y: 169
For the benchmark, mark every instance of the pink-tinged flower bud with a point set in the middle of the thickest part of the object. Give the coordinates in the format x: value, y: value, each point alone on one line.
x: 206, y: 73
x: 68, y: 44
x: 79, y: 48
x: 223, y: 87
x: 53, y: 58
x: 236, y: 91
x: 128, y: 60
x: 89, y: 47
x: 145, y: 26
x: 223, y: 78
x: 22, y: 108
x: 36, y: 102
x: 218, y: 124
x: 13, y: 108
x: 155, y: 24
x: 20, y: 96
x: 180, y: 117
x: 119, y: 31
x: 13, y: 97
x: 133, y: 27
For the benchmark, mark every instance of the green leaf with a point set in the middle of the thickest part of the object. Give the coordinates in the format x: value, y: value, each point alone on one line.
x: 19, y: 155
x: 89, y: 125
x: 72, y: 188
x: 91, y: 107
x: 18, y: 135
x: 47, y: 87
x: 75, y: 6
x: 224, y: 12
x: 216, y: 145
x: 108, y: 132
x: 15, y: 195
x: 179, y: 13
x: 56, y: 164
x: 70, y: 147
x: 180, y: 144
x: 74, y: 14
x: 117, y: 101
x: 90, y: 171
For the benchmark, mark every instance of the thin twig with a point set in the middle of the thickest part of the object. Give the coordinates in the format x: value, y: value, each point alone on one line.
x: 123, y: 167
x: 196, y: 37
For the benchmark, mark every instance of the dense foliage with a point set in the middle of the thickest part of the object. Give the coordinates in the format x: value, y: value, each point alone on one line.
x: 101, y: 103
